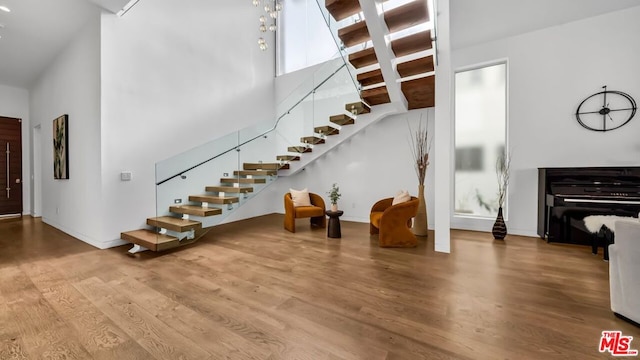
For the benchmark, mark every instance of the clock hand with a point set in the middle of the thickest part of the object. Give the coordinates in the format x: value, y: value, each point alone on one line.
x: 590, y: 112
x: 598, y: 112
x: 621, y: 109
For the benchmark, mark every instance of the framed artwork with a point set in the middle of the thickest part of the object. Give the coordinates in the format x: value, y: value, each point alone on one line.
x: 61, y: 147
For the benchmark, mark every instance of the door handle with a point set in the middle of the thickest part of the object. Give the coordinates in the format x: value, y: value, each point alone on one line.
x: 18, y: 181
x: 8, y: 188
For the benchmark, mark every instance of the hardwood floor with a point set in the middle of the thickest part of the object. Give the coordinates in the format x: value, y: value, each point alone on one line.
x: 251, y: 290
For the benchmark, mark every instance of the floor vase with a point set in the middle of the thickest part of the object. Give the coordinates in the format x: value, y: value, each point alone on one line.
x: 420, y: 224
x: 499, y: 230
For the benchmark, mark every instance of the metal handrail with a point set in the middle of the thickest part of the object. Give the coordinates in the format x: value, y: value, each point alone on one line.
x: 237, y: 147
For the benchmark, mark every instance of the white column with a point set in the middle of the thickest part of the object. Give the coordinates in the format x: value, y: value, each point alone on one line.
x: 443, y: 131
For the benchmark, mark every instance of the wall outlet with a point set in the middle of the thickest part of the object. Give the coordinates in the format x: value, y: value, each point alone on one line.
x: 125, y: 176
x: 177, y: 201
x: 225, y: 174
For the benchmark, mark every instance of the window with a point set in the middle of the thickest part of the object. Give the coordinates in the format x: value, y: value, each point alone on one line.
x: 479, y: 138
x: 304, y: 39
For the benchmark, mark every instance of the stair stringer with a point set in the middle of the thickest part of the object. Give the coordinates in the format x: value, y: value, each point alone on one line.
x: 377, y: 29
x: 377, y: 113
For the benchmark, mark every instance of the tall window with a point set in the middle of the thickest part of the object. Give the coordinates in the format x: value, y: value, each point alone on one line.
x: 304, y: 39
x: 480, y: 137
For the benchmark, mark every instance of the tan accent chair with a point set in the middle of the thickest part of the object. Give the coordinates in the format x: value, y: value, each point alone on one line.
x: 316, y: 212
x: 393, y: 222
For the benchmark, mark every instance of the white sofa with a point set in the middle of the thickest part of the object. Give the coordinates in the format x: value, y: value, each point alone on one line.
x: 624, y: 270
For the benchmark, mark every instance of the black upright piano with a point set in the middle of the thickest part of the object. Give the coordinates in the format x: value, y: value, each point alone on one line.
x: 567, y: 195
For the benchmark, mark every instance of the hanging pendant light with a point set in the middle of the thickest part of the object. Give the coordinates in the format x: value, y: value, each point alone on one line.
x: 272, y: 9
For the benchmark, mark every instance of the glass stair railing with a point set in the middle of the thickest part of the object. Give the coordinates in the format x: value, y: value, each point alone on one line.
x: 201, y: 187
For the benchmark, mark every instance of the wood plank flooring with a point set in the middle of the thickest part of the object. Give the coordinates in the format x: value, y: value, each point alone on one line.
x: 252, y: 290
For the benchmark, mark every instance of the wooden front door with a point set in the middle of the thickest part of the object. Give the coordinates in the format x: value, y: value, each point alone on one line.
x: 10, y: 166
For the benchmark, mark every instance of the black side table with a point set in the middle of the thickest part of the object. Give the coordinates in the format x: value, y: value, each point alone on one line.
x: 333, y: 230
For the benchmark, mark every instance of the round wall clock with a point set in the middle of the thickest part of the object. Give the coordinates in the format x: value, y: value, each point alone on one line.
x: 606, y: 110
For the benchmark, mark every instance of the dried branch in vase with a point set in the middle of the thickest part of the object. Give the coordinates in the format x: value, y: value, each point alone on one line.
x: 420, y: 146
x: 503, y: 168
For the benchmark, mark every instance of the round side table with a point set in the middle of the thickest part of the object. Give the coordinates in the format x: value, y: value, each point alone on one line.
x: 333, y: 230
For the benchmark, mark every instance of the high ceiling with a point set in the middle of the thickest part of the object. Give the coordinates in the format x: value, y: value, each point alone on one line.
x: 35, y: 31
x: 477, y: 21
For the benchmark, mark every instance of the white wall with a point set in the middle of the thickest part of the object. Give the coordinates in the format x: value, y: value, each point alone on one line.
x: 14, y: 102
x: 71, y: 85
x: 372, y: 165
x: 550, y: 72
x: 173, y: 77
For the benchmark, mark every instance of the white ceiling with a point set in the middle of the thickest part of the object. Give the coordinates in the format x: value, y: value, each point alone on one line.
x: 35, y: 31
x: 477, y: 21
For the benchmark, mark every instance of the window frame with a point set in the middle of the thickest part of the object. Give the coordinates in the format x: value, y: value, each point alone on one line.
x: 467, y: 220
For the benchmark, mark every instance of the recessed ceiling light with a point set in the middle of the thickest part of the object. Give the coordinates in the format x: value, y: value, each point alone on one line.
x: 4, y: 8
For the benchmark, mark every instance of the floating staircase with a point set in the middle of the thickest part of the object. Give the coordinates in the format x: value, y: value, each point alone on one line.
x: 412, y: 54
x: 411, y: 75
x: 178, y: 229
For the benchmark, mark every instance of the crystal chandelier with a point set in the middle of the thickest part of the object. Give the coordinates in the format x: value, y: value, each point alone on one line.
x: 272, y: 9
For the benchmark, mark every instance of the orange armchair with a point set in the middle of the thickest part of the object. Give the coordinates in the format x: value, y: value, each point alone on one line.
x: 393, y: 222
x: 316, y: 212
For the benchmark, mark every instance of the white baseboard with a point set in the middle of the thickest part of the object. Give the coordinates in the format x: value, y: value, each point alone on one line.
x: 85, y: 238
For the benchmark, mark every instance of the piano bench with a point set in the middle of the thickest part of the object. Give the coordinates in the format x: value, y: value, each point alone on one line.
x: 602, y: 228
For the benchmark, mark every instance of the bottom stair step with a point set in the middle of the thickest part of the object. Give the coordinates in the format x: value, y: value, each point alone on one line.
x: 150, y: 239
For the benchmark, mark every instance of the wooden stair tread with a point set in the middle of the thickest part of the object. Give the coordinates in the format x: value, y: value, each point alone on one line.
x: 406, y: 16
x: 376, y: 96
x: 415, y: 67
x: 342, y: 119
x: 214, y: 199
x: 174, y: 224
x: 359, y: 107
x: 195, y: 210
x: 403, y: 46
x: 229, y: 189
x: 150, y: 239
x: 263, y: 166
x: 354, y: 34
x: 288, y: 158
x: 299, y: 149
x: 240, y: 180
x: 342, y: 9
x: 370, y: 77
x: 420, y: 93
x: 255, y: 172
x: 400, y: 18
x: 363, y: 58
x: 326, y: 130
x: 411, y: 44
x: 312, y: 140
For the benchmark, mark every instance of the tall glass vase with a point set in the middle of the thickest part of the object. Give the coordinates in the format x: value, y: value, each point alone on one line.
x: 420, y: 227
